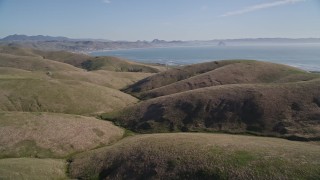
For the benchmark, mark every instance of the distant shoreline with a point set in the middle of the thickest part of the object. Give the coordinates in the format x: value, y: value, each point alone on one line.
x: 297, y: 55
x: 204, y: 45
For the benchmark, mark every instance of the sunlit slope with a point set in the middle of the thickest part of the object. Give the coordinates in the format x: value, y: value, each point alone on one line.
x: 44, y: 135
x: 63, y: 96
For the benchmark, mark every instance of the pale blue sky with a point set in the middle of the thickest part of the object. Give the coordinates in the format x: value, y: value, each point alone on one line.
x: 163, y: 19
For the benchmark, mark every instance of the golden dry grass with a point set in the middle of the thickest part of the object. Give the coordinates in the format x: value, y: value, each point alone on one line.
x: 199, y: 156
x: 52, y: 135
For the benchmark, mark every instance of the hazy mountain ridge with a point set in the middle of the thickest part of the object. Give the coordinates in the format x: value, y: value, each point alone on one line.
x: 87, y: 45
x: 18, y: 37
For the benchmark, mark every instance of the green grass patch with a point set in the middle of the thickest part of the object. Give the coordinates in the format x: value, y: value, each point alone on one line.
x: 241, y: 158
x: 128, y: 133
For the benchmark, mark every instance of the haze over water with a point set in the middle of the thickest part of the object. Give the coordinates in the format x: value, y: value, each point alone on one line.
x: 304, y: 56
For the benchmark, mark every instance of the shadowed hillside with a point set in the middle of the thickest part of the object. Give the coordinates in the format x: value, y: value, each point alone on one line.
x: 268, y: 109
x: 199, y: 156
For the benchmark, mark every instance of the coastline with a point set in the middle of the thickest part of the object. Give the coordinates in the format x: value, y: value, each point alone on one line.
x: 304, y: 56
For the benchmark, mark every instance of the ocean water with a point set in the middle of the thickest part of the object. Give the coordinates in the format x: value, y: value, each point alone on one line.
x: 304, y: 56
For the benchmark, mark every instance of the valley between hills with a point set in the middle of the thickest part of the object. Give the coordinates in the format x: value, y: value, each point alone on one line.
x: 66, y: 115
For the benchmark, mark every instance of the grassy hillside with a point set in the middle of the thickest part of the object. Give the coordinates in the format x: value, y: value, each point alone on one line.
x: 199, y: 156
x: 18, y: 51
x: 29, y: 168
x: 46, y: 135
x: 245, y: 72
x: 115, y: 80
x: 33, y: 63
x: 63, y: 96
x: 214, y: 74
x: 268, y: 109
x: 13, y: 73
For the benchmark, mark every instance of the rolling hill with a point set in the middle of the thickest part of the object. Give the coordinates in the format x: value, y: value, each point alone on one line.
x: 199, y: 156
x: 33, y: 63
x: 79, y: 60
x: 118, y: 65
x: 214, y: 74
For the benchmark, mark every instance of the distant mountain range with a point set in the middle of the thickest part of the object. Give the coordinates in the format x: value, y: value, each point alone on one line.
x: 17, y: 37
x: 86, y: 45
